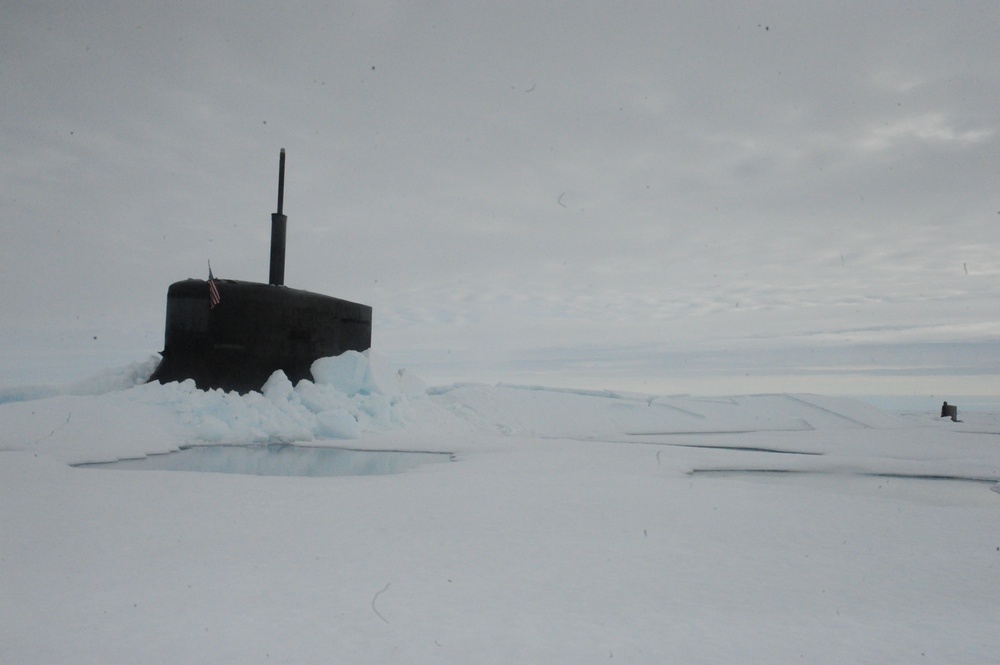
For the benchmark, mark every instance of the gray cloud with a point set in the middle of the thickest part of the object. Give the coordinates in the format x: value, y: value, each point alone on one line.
x: 655, y: 177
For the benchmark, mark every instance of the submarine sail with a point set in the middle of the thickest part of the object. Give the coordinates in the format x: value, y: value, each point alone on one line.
x: 237, y: 337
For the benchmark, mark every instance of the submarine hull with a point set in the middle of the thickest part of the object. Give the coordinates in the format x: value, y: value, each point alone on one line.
x: 253, y: 330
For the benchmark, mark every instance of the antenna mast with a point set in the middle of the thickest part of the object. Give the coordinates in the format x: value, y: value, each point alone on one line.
x: 278, y: 225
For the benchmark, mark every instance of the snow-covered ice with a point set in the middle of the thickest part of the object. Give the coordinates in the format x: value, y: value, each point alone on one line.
x: 572, y: 527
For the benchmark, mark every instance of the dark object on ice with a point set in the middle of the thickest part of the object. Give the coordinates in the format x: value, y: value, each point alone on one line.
x: 949, y: 411
x: 254, y: 329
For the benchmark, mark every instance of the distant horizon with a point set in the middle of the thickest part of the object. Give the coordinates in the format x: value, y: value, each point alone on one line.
x: 895, y: 394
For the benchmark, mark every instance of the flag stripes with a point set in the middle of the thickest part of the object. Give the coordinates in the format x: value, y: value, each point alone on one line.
x: 213, y: 294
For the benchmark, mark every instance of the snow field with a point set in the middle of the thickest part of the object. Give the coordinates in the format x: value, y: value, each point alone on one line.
x: 569, y: 530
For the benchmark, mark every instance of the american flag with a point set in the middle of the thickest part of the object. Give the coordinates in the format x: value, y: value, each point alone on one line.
x: 213, y: 294
x: 213, y: 289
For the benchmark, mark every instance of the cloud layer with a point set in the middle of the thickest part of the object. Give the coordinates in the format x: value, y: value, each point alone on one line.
x: 518, y: 190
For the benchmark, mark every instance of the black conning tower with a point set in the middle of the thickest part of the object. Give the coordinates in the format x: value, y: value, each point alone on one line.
x: 256, y: 329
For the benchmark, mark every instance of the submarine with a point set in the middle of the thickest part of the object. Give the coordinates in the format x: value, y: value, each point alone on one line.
x: 233, y: 335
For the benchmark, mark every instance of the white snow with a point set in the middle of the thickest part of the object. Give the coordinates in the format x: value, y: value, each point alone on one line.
x: 572, y: 527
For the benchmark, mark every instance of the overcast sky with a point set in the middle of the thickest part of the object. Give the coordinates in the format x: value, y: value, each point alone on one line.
x: 677, y: 196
